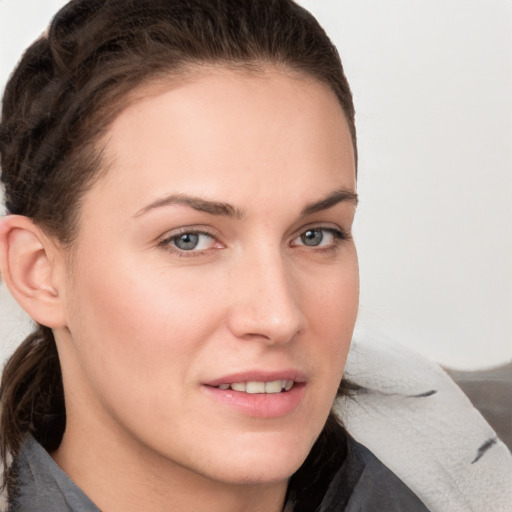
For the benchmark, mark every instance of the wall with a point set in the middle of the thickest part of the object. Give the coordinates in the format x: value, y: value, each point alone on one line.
x: 432, y: 83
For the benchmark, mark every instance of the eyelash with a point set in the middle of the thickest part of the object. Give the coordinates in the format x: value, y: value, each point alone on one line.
x: 166, y: 243
x: 339, y: 236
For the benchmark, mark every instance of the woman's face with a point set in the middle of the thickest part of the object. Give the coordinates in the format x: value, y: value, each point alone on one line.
x: 214, y: 285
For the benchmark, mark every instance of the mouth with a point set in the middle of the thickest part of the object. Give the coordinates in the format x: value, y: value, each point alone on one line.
x: 259, y: 394
x: 253, y: 387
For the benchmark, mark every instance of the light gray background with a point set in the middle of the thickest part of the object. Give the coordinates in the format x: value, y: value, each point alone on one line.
x: 432, y: 82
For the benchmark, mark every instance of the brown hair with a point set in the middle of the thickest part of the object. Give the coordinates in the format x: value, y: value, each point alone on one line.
x: 65, y: 92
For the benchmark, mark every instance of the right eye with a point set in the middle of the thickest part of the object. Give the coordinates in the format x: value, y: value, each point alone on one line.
x: 189, y: 241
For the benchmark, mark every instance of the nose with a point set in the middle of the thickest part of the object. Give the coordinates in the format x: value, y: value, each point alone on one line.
x: 265, y: 300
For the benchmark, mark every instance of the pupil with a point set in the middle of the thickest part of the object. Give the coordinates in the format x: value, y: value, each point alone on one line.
x: 312, y: 237
x: 187, y: 241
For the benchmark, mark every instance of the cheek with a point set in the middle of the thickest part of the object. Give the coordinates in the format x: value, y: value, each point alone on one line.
x: 137, y: 322
x: 332, y: 299
x: 336, y: 307
x: 137, y: 336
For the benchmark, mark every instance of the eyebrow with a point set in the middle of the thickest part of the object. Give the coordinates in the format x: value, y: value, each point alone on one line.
x: 219, y: 208
x: 197, y: 203
x: 338, y: 196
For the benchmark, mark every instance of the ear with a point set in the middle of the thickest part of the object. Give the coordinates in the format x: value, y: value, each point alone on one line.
x: 30, y: 264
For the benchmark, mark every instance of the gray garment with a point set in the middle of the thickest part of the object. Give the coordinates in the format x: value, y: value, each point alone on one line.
x: 362, y: 484
x: 43, y: 486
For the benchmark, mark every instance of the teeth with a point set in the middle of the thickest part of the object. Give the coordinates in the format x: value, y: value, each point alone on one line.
x: 275, y: 386
x: 253, y: 387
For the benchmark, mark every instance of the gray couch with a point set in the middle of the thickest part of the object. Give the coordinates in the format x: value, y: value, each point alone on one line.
x: 490, y: 391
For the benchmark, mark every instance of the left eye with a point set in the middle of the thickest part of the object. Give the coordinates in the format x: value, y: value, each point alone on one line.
x: 316, y: 237
x: 192, y: 241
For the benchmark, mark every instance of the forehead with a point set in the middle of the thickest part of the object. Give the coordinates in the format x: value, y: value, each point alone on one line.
x: 221, y: 130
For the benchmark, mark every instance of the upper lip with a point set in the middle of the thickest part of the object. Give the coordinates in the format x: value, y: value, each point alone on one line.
x: 258, y: 376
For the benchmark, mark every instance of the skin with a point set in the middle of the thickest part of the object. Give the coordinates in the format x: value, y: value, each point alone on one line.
x: 144, y: 325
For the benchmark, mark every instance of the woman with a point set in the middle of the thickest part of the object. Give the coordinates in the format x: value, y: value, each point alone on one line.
x: 180, y: 178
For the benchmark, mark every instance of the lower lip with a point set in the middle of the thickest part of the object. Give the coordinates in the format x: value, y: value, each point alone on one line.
x: 260, y: 405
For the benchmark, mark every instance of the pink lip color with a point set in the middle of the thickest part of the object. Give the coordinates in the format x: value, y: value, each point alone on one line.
x: 259, y: 405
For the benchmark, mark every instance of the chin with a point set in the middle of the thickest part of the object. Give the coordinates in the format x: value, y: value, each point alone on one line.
x: 270, y: 472
x: 264, y: 462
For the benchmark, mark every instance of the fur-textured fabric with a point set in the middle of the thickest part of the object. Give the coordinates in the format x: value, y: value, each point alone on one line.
x: 419, y: 423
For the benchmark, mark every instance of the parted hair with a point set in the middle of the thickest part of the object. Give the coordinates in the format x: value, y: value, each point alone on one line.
x: 63, y: 95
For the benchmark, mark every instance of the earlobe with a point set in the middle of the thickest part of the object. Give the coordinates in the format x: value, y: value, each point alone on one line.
x: 28, y: 260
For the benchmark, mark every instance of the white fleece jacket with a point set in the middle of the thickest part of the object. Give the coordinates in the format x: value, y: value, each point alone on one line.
x: 419, y: 423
